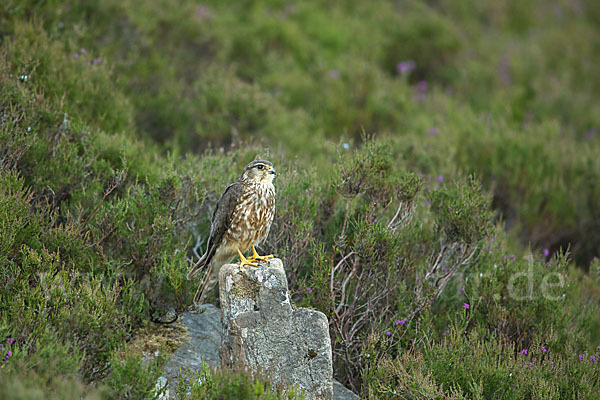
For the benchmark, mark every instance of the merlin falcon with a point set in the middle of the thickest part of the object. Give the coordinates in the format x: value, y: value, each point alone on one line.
x: 241, y: 220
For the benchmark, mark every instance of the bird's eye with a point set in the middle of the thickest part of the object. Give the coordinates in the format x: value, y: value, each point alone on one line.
x: 260, y: 167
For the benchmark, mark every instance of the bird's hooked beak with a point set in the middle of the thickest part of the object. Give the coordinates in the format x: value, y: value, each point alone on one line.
x: 272, y: 171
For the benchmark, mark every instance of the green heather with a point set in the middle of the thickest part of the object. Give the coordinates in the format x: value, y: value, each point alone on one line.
x: 438, y: 197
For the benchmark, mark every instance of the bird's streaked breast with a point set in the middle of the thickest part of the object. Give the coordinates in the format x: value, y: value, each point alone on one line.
x: 252, y: 216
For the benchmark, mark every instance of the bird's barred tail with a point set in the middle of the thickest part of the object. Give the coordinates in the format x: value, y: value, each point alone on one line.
x: 206, y: 287
x: 209, y: 282
x: 198, y: 266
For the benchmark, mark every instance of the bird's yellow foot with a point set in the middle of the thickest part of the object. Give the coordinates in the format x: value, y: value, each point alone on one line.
x: 255, y: 256
x: 245, y: 261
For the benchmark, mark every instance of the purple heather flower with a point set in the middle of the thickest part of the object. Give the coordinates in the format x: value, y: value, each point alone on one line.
x: 309, y: 289
x: 513, y: 257
x: 504, y: 71
x: 446, y: 332
x: 544, y: 349
x: 427, y: 203
x: 203, y: 12
x: 83, y: 51
x: 433, y: 132
x: 406, y: 66
x: 334, y: 73
x: 422, y: 86
x: 97, y: 60
x: 531, y: 364
x: 388, y: 333
x: 466, y: 305
x: 440, y: 178
x: 589, y: 134
x: 546, y: 252
x: 76, y: 55
x: 593, y: 358
x: 524, y: 351
x: 551, y: 362
x: 582, y: 356
x: 418, y: 277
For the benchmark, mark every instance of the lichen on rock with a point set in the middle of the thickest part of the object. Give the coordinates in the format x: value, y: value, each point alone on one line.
x: 262, y: 332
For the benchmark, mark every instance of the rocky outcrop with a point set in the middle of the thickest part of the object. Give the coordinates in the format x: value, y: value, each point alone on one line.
x: 257, y: 303
x: 203, y: 339
x: 203, y: 327
x: 264, y: 332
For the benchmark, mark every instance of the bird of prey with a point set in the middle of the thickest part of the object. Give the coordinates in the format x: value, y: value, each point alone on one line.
x: 241, y: 220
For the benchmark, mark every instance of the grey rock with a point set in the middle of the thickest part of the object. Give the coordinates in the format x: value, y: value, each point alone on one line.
x: 160, y: 384
x: 204, y: 328
x: 203, y: 325
x: 262, y: 332
x: 341, y: 392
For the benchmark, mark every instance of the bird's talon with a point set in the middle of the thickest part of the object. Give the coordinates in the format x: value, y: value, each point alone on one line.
x: 245, y: 261
x: 256, y: 257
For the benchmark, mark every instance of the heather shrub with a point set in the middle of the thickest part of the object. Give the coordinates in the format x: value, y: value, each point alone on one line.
x: 462, y: 232
x: 46, y: 366
x: 297, y: 74
x: 422, y: 36
x: 462, y: 365
x: 393, y: 257
x: 40, y: 294
x: 132, y: 378
x: 221, y: 384
x: 370, y: 247
x: 83, y: 87
x: 492, y: 334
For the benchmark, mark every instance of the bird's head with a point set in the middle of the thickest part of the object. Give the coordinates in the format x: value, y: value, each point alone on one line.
x: 259, y: 171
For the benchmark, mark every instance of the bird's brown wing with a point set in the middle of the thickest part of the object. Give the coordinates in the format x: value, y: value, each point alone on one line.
x: 221, y: 220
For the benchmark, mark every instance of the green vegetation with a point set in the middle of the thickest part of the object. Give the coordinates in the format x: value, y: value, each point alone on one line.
x: 208, y: 385
x: 438, y: 198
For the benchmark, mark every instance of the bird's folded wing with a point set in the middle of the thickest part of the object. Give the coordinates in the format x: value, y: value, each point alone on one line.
x: 221, y: 220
